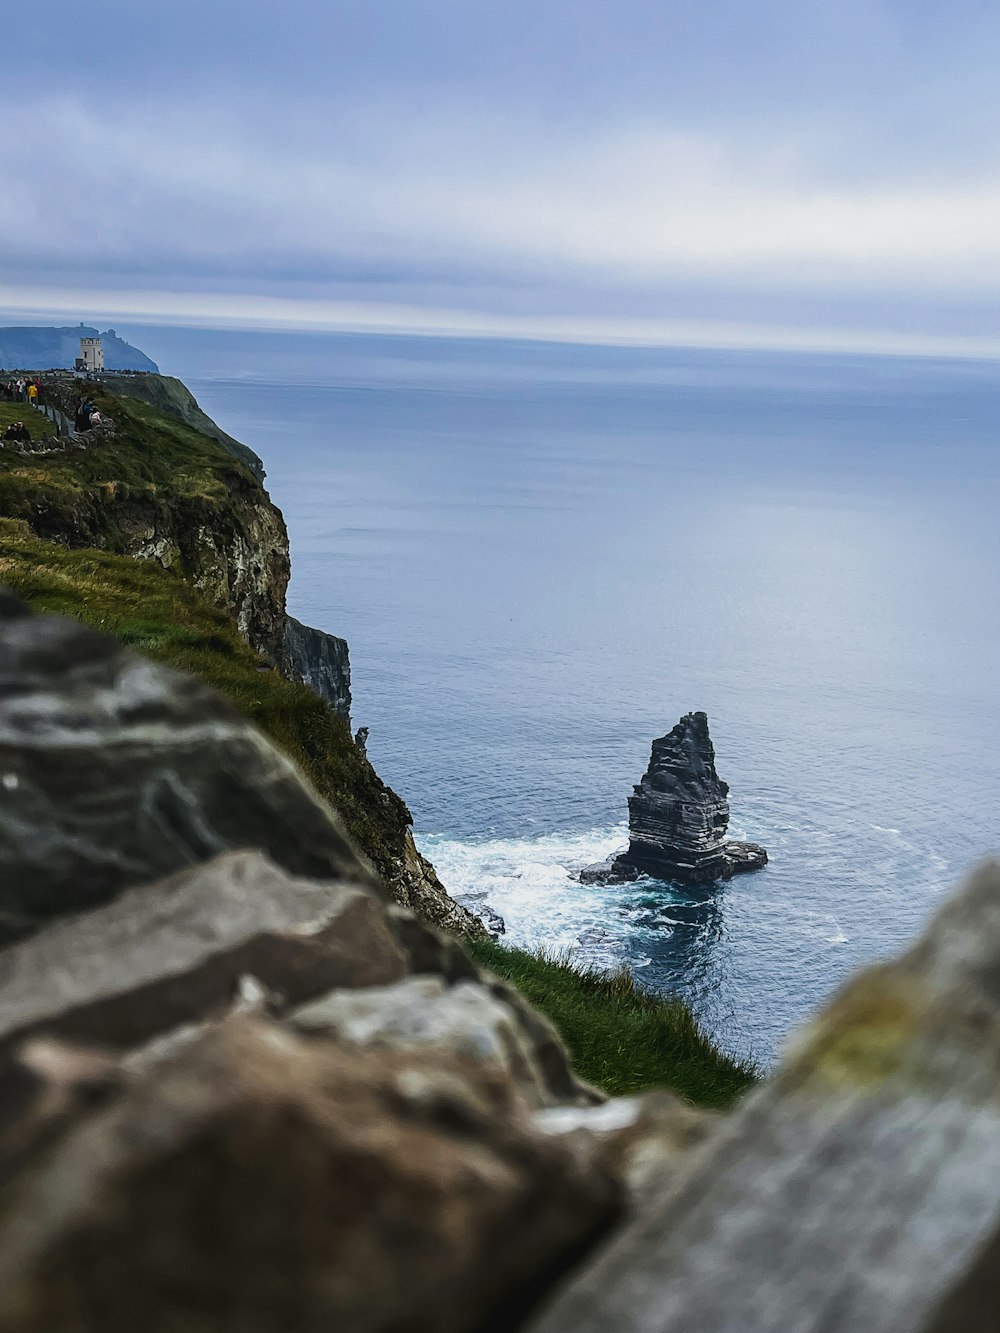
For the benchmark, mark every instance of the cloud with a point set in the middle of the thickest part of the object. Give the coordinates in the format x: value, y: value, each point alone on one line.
x: 189, y: 192
x: 215, y: 310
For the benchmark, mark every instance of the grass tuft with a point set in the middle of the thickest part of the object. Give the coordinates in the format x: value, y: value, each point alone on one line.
x: 620, y: 1036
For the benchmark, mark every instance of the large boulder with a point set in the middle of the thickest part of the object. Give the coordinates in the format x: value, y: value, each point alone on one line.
x: 261, y: 1182
x: 466, y: 1021
x: 173, y: 953
x: 115, y: 771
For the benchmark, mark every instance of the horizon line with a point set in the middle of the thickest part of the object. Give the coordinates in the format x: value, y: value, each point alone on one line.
x: 319, y: 315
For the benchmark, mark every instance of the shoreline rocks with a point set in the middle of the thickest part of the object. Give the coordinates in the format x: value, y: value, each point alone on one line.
x: 679, y: 816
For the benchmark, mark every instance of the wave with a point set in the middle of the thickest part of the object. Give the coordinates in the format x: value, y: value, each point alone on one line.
x: 531, y: 883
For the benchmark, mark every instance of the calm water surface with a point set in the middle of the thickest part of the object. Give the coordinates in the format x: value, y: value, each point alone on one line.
x: 543, y: 555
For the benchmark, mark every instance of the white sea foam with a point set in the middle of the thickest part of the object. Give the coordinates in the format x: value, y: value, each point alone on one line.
x: 531, y: 883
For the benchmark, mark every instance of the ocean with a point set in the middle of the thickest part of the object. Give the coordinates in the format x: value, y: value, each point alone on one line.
x: 542, y: 555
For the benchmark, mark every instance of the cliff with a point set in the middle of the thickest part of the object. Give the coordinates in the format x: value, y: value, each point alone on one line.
x: 35, y: 348
x: 157, y: 504
x: 173, y: 398
x: 320, y: 661
x: 160, y: 490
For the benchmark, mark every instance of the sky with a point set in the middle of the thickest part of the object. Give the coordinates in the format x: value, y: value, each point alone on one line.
x: 760, y: 172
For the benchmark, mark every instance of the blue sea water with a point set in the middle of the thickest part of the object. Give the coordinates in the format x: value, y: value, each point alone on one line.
x: 542, y: 555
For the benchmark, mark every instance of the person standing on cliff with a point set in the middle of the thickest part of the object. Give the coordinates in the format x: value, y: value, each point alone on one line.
x: 33, y: 393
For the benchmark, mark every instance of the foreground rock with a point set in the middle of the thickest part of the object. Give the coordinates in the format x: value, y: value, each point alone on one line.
x: 116, y: 771
x: 468, y: 1021
x: 679, y: 816
x: 644, y: 1140
x: 860, y: 1190
x: 173, y: 953
x: 261, y: 1182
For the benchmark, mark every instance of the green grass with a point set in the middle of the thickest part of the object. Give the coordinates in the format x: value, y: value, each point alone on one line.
x: 621, y: 1037
x: 79, y: 496
x: 40, y: 427
x: 163, y: 616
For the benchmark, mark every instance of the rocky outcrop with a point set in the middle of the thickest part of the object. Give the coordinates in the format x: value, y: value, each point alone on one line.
x: 679, y: 816
x: 182, y: 501
x: 261, y: 1181
x: 321, y: 661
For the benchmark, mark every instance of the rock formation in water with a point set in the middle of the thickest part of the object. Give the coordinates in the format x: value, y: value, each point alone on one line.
x: 679, y: 816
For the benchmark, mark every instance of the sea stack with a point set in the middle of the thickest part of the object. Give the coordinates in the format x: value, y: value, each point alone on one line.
x: 679, y: 816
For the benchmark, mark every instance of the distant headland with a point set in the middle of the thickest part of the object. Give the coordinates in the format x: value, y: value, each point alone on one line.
x: 34, y: 347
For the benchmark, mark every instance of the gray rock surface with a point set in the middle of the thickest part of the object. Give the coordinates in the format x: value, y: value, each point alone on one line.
x: 645, y: 1140
x: 465, y: 1021
x: 173, y: 952
x: 859, y: 1190
x: 261, y: 1182
x: 679, y: 816
x: 321, y: 661
x: 115, y: 771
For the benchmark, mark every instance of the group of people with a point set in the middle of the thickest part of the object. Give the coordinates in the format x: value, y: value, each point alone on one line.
x: 86, y: 415
x: 17, y: 432
x: 22, y: 391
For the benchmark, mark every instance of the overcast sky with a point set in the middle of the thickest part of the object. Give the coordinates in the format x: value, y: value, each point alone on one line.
x: 728, y: 170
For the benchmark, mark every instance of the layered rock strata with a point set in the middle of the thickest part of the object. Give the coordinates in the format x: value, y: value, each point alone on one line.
x: 321, y: 661
x: 679, y: 817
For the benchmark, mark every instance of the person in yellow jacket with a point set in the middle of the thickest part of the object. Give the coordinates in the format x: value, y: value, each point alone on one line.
x: 32, y: 393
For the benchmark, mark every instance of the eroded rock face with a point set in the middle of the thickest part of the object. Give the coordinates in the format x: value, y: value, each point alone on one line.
x: 679, y: 816
x: 260, y: 1181
x: 115, y: 771
x: 321, y: 661
x: 415, y: 884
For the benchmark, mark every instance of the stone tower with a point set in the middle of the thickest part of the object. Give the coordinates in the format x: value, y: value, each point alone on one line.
x: 91, y: 356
